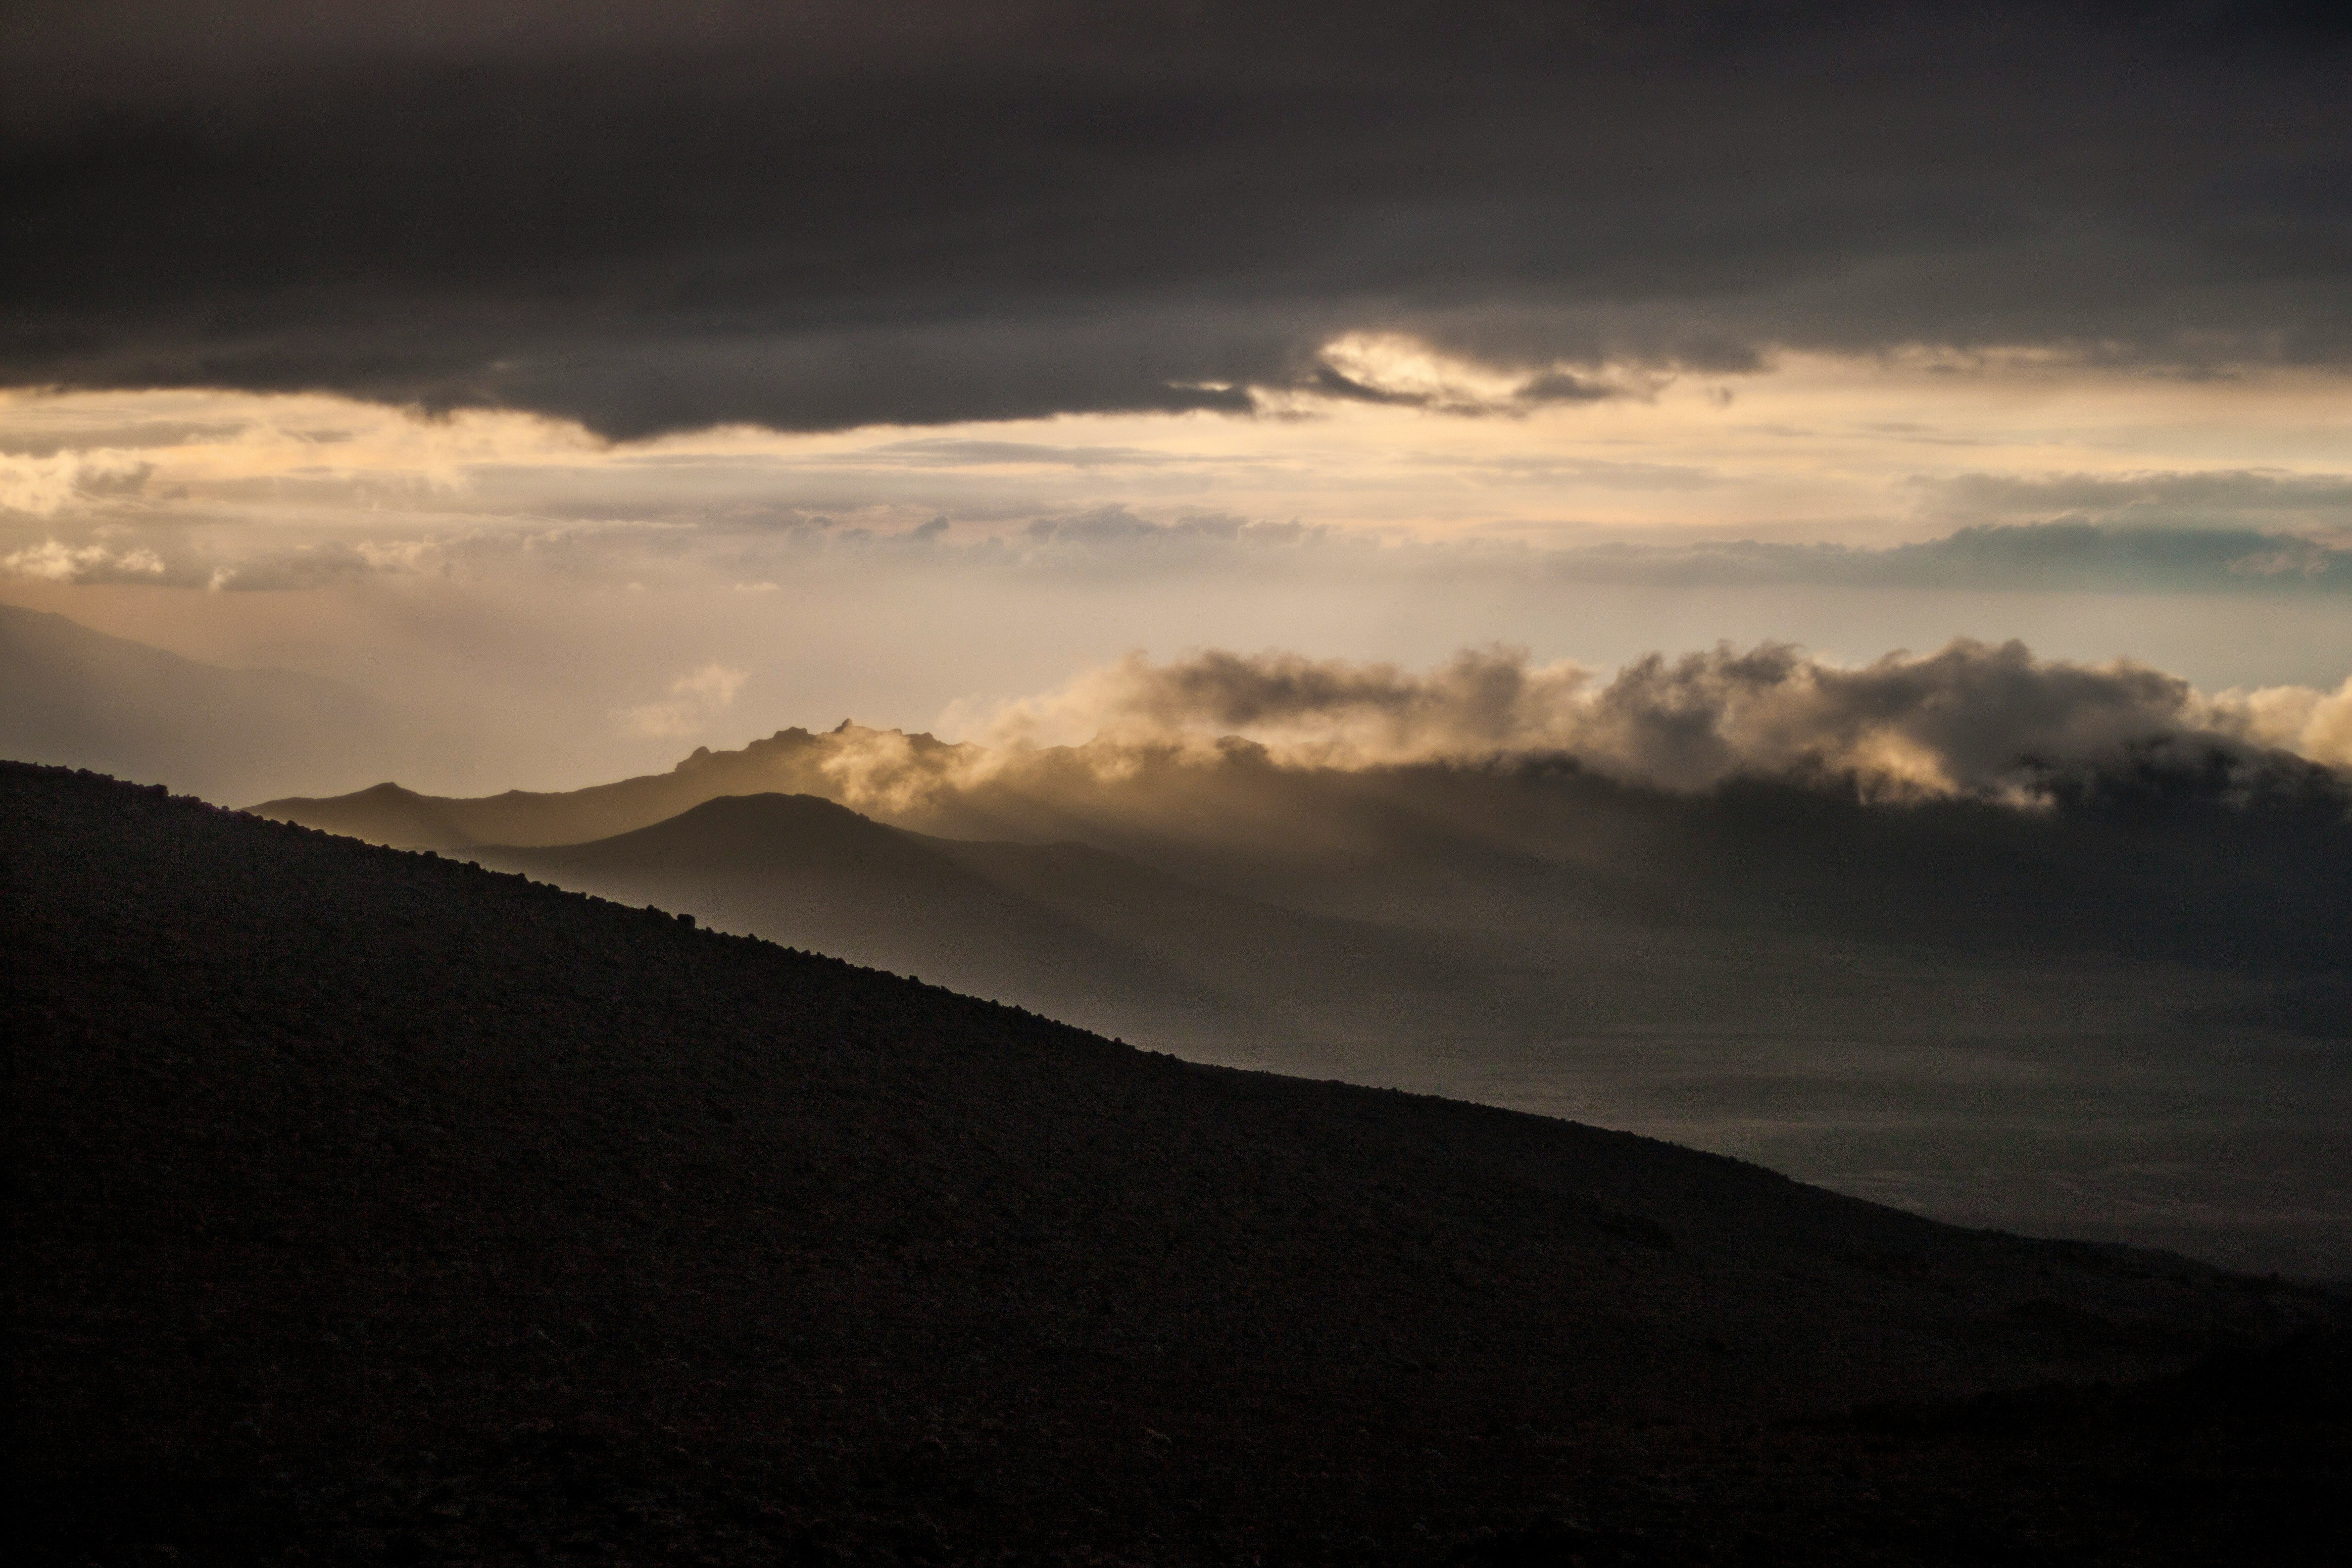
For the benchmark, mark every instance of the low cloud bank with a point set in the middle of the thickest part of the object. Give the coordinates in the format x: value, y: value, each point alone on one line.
x: 1976, y: 797
x: 1971, y: 720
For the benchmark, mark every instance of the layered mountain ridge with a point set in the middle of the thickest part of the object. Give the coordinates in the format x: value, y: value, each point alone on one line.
x: 2112, y: 1015
x: 790, y: 762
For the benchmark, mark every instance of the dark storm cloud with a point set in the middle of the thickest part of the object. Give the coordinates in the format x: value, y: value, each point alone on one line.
x: 648, y: 217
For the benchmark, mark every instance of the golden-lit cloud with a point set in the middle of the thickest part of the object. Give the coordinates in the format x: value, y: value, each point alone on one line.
x: 552, y: 585
x: 1816, y: 449
x: 1967, y: 719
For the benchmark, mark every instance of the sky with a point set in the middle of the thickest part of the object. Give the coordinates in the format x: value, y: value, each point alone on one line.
x: 605, y: 380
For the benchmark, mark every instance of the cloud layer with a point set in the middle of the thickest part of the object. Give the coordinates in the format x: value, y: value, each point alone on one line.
x: 1969, y: 721
x: 816, y: 216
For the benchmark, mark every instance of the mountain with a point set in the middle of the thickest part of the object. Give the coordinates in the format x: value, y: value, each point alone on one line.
x: 791, y: 762
x: 2112, y: 1014
x: 69, y: 695
x: 367, y: 1205
x: 2202, y: 859
x: 1087, y: 936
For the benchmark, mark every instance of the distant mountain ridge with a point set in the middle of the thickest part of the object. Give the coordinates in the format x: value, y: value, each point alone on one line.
x: 790, y: 762
x: 80, y: 698
x: 1078, y: 932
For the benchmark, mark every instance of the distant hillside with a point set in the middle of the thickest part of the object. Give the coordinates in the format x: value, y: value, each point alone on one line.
x: 369, y: 1204
x: 791, y: 762
x: 1065, y: 929
x: 2201, y: 858
x: 72, y: 696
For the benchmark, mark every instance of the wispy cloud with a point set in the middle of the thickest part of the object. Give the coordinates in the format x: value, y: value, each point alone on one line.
x: 2070, y: 556
x: 695, y: 699
x: 2225, y: 498
x: 45, y: 485
x: 51, y: 561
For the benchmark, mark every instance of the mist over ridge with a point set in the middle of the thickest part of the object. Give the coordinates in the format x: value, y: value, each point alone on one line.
x: 1971, y: 720
x: 2087, y: 978
x: 1914, y: 795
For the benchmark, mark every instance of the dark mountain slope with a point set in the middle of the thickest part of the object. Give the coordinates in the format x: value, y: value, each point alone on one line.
x: 369, y: 1204
x: 69, y: 694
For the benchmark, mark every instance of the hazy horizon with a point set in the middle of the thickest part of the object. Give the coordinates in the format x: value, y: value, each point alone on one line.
x: 385, y: 731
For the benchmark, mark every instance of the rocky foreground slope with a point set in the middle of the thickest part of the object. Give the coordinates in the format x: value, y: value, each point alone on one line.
x: 370, y: 1205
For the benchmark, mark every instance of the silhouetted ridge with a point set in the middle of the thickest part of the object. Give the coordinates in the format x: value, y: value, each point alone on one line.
x: 790, y: 762
x: 367, y: 1204
x: 753, y: 833
x: 1070, y: 930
